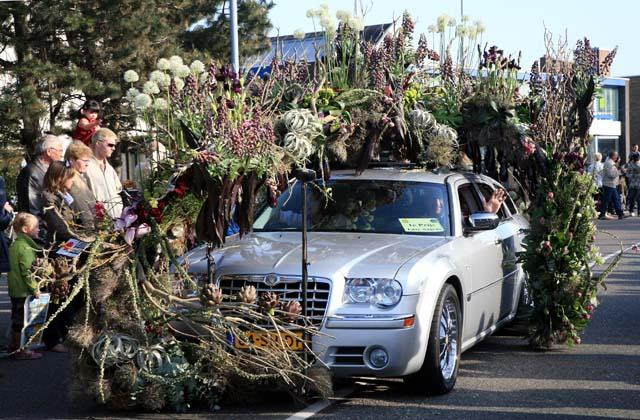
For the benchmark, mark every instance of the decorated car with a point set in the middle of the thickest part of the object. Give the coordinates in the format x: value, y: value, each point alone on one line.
x: 406, y: 269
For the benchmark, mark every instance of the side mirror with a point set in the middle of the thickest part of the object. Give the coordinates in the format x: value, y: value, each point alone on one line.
x: 482, y: 221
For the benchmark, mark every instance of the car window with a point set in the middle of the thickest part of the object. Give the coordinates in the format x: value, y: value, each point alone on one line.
x: 469, y: 202
x: 374, y: 206
x: 511, y: 205
x: 487, y: 191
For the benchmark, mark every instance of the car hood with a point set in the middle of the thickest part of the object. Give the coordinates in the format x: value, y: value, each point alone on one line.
x: 349, y: 254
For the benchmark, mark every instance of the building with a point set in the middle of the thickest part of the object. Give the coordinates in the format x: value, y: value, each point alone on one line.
x: 610, y: 129
x: 634, y: 109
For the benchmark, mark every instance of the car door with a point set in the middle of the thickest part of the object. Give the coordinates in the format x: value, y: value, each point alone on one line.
x: 481, y: 257
x: 508, y: 236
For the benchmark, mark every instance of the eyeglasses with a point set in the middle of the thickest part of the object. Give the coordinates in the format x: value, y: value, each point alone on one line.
x: 111, y: 145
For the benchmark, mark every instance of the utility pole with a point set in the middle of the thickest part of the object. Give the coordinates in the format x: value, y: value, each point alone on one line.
x: 233, y: 18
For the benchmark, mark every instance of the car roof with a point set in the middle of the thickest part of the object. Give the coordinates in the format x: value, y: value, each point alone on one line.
x: 404, y: 174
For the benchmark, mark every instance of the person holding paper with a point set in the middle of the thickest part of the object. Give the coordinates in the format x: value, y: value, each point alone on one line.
x: 22, y: 254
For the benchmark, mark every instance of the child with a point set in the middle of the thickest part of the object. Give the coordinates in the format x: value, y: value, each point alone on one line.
x: 88, y: 123
x: 22, y: 254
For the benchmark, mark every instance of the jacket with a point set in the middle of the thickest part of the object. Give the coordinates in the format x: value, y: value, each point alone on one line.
x: 105, y: 186
x: 610, y: 174
x: 29, y: 187
x: 22, y: 254
x: 5, y: 221
x: 633, y: 174
x: 83, y: 205
x: 60, y: 219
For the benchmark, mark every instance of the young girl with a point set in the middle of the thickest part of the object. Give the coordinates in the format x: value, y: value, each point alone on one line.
x: 22, y: 254
x: 88, y: 123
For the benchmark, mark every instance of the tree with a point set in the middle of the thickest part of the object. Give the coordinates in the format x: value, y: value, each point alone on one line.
x: 69, y: 50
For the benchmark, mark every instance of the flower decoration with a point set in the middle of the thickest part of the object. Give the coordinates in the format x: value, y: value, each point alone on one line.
x: 163, y: 64
x: 126, y: 222
x: 130, y: 76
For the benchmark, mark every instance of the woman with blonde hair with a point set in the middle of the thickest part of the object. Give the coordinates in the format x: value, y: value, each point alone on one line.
x: 77, y: 157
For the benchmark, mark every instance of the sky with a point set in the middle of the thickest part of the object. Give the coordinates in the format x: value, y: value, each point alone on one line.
x: 511, y: 25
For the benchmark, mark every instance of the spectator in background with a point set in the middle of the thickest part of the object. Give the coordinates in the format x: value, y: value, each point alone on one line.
x: 6, y: 216
x: 22, y: 255
x: 595, y: 169
x: 30, y: 178
x: 101, y: 178
x: 88, y: 123
x: 633, y: 175
x: 78, y: 155
x: 634, y: 152
x: 610, y: 180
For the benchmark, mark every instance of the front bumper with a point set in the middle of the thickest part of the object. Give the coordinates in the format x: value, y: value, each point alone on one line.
x: 350, y: 339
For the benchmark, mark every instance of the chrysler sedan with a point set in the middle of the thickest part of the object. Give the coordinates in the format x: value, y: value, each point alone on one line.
x: 406, y: 269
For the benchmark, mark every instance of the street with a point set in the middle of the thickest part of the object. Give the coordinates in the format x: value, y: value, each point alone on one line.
x: 499, y: 378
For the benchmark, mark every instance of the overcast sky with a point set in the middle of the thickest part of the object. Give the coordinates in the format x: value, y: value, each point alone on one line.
x: 512, y: 25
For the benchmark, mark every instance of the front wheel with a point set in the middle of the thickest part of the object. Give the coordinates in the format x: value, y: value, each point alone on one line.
x: 440, y: 367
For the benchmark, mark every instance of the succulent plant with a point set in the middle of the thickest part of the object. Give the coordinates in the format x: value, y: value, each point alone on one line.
x: 248, y: 294
x: 210, y: 295
x: 293, y: 310
x: 59, y: 290
x: 269, y: 301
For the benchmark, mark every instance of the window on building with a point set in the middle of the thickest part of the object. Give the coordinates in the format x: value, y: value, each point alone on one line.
x: 606, y: 105
x: 605, y: 145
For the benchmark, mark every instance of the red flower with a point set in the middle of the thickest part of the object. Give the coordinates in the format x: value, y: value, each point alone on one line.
x: 99, y: 210
x: 156, y: 213
x: 550, y: 195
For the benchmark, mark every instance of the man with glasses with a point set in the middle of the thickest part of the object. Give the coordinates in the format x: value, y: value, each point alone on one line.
x: 29, y: 181
x: 100, y: 176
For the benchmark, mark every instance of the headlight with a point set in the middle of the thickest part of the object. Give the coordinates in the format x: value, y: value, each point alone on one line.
x: 380, y: 292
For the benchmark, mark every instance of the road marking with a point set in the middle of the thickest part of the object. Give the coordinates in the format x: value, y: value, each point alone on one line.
x: 315, y: 408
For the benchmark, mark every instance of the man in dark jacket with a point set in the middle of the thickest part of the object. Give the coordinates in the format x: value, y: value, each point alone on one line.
x: 29, y: 182
x: 6, y: 216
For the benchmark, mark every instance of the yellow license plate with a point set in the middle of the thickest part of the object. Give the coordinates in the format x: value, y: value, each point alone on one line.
x: 292, y: 339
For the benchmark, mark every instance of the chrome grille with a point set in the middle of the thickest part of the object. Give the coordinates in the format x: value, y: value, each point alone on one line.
x: 346, y: 356
x: 288, y: 288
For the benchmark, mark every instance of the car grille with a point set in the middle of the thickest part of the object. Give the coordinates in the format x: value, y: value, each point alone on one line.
x: 288, y: 288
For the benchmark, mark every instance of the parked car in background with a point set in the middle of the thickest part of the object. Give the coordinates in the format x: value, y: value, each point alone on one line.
x: 406, y: 270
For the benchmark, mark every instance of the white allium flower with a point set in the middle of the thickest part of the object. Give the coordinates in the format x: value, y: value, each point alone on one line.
x: 163, y: 64
x: 160, y: 104
x: 156, y: 76
x: 443, y: 22
x: 197, y: 66
x: 311, y: 13
x: 150, y: 88
x: 461, y: 31
x: 298, y: 34
x: 176, y: 59
x: 179, y: 83
x: 130, y: 76
x: 343, y: 16
x: 183, y: 71
x: 479, y: 26
x: 165, y: 82
x: 431, y: 28
x: 132, y: 93
x: 142, y: 101
x: 174, y: 67
x: 465, y: 19
x: 203, y: 77
x: 452, y: 23
x: 356, y: 23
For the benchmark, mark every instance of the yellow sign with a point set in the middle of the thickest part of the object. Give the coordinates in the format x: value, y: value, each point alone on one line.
x: 422, y: 225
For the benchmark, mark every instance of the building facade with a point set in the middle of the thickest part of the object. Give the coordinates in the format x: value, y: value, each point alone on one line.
x: 610, y: 130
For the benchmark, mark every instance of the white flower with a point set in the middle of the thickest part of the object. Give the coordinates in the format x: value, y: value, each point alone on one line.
x: 356, y: 23
x: 176, y: 59
x: 465, y: 18
x: 461, y: 31
x: 578, y: 215
x: 156, y: 76
x: 443, y: 22
x: 163, y: 64
x: 182, y: 71
x: 343, y: 16
x: 431, y: 28
x: 203, y: 77
x: 524, y: 90
x: 142, y: 101
x: 179, y: 83
x: 165, y: 82
x: 130, y: 76
x: 160, y: 104
x: 299, y: 34
x: 150, y: 88
x: 132, y: 93
x: 197, y: 66
x: 174, y: 66
x: 479, y: 27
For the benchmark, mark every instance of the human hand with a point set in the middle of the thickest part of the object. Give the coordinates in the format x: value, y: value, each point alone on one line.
x: 495, y: 202
x: 7, y: 207
x: 36, y: 294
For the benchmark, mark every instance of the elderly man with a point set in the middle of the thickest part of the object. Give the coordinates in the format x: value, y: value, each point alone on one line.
x: 29, y: 182
x: 610, y: 178
x: 101, y: 178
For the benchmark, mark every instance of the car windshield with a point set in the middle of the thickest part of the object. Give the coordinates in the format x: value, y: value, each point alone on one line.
x: 374, y: 206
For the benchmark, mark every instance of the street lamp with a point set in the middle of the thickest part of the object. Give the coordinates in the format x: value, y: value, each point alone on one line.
x: 233, y: 18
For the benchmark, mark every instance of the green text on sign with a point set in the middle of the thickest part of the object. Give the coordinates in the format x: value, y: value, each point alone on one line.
x: 421, y: 225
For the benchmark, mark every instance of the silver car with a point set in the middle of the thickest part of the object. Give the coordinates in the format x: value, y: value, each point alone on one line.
x: 406, y: 270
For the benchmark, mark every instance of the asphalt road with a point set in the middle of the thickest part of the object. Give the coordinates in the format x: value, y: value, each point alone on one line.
x: 499, y: 378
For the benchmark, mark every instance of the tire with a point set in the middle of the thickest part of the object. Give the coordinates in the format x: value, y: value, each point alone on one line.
x: 440, y: 367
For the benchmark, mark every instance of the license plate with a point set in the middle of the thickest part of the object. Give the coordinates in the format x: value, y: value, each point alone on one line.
x: 261, y: 339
